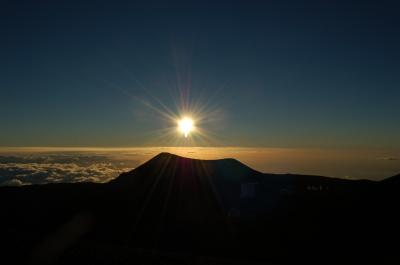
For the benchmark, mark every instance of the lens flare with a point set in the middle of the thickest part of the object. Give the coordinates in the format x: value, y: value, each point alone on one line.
x: 185, y: 126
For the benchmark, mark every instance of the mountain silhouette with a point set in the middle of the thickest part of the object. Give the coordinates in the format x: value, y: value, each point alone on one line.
x: 393, y: 180
x: 173, y: 210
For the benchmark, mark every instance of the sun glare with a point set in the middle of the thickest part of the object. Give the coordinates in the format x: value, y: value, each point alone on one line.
x: 185, y: 126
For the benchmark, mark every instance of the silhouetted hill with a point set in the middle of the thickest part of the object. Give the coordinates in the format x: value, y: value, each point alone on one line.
x: 393, y: 180
x: 169, y: 165
x: 173, y: 210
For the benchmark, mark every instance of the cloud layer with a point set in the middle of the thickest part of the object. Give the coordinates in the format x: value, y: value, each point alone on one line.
x: 39, y: 165
x: 41, y: 169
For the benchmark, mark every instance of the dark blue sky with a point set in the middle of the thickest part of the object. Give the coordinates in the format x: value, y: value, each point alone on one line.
x: 316, y: 74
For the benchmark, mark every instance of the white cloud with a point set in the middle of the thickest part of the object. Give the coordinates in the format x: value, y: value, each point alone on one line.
x: 21, y: 170
x: 13, y: 182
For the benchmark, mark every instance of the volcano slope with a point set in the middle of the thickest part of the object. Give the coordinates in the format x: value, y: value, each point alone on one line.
x: 173, y: 210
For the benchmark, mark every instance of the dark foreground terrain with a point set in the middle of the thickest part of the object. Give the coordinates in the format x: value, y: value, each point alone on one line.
x: 174, y: 210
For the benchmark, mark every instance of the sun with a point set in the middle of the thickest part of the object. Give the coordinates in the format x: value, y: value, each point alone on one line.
x: 186, y: 126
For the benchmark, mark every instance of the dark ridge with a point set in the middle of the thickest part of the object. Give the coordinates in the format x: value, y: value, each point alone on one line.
x: 393, y: 179
x: 176, y: 210
x: 167, y: 165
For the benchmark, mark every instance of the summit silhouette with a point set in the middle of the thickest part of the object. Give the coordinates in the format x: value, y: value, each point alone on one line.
x: 173, y: 210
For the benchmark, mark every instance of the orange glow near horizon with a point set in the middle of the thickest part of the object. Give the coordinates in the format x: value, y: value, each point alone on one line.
x: 342, y: 163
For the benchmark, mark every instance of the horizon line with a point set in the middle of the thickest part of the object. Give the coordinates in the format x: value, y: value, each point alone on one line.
x: 222, y: 147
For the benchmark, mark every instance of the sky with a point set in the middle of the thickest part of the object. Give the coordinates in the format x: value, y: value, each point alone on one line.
x: 320, y: 74
x: 89, y: 89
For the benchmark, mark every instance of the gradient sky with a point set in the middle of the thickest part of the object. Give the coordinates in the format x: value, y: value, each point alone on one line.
x: 97, y: 73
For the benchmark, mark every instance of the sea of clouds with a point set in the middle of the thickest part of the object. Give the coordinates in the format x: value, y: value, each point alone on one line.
x: 25, y: 169
x: 25, y: 166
